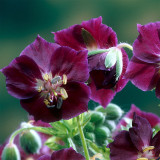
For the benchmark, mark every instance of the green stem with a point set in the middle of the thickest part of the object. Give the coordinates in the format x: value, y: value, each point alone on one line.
x: 15, y: 133
x: 97, y: 51
x: 72, y: 144
x: 125, y: 45
x: 83, y: 139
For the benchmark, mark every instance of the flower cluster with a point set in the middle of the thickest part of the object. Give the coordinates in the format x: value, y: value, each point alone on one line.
x: 55, y: 81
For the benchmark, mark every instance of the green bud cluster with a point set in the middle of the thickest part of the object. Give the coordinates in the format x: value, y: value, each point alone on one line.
x: 102, y: 123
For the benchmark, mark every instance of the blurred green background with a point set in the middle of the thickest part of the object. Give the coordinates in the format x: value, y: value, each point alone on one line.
x: 22, y: 20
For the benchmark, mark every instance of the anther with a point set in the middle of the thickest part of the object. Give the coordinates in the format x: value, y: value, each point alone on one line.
x: 64, y: 79
x: 142, y: 158
x: 148, y: 148
x: 46, y: 77
x: 64, y: 94
x: 59, y: 103
x: 46, y: 102
x: 55, y: 79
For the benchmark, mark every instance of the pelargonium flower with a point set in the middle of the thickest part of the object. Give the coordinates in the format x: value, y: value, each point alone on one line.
x: 49, y: 80
x: 64, y: 154
x: 153, y: 119
x: 143, y: 69
x: 92, y: 35
x: 137, y: 143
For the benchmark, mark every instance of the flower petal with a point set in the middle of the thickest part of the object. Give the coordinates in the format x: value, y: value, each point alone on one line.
x: 147, y: 46
x: 45, y: 157
x: 66, y: 154
x: 122, y: 147
x: 36, y: 107
x: 72, y: 37
x: 102, y: 96
x: 70, y: 62
x: 141, y: 132
x: 40, y: 51
x: 155, y: 142
x: 77, y: 101
x: 142, y: 75
x: 21, y: 75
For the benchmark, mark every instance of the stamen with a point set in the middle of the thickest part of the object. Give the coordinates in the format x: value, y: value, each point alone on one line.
x: 59, y: 103
x: 142, y: 158
x: 64, y: 79
x: 39, y: 88
x: 64, y: 94
x: 56, y: 80
x: 45, y: 77
x: 148, y: 148
x: 46, y: 102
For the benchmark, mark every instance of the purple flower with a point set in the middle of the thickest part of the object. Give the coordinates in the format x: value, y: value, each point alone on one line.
x: 49, y: 81
x: 64, y: 154
x: 143, y: 69
x: 153, y: 119
x: 92, y: 35
x: 137, y: 143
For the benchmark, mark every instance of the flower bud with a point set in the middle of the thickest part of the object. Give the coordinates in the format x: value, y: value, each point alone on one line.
x: 101, y: 134
x: 89, y: 127
x: 30, y: 141
x: 10, y: 152
x: 113, y: 111
x: 90, y: 136
x: 110, y: 124
x: 97, y: 118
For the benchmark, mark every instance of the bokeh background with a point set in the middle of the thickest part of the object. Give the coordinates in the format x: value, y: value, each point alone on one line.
x: 22, y: 20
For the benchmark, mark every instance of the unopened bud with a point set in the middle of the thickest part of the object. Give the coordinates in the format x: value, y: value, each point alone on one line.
x: 97, y: 118
x: 110, y: 124
x: 30, y: 141
x: 10, y: 152
x: 113, y: 111
x: 89, y: 127
x: 90, y: 136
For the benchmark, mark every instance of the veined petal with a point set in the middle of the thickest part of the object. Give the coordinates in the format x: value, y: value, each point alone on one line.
x: 77, y: 101
x: 122, y: 147
x: 141, y: 132
x: 147, y: 46
x: 21, y: 77
x: 143, y: 75
x: 40, y: 51
x: 71, y: 63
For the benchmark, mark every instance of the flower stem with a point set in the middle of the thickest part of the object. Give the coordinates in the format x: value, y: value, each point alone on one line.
x: 83, y: 139
x: 97, y: 51
x: 15, y: 133
x: 125, y: 45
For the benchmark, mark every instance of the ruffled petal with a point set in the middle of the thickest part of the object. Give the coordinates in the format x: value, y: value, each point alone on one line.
x: 77, y: 101
x: 70, y: 62
x: 141, y: 132
x: 142, y: 75
x: 21, y: 75
x: 40, y: 51
x: 102, y: 96
x: 147, y: 46
x: 122, y: 147
x: 66, y: 154
x: 36, y: 107
x: 104, y: 36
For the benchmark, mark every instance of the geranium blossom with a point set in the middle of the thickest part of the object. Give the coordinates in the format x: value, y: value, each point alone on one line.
x: 143, y: 69
x: 137, y: 143
x: 93, y: 35
x: 49, y: 81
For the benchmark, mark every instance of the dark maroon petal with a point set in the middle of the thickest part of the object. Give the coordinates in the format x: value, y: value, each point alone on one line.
x: 143, y: 75
x: 77, y: 101
x: 70, y: 62
x: 40, y: 51
x: 155, y: 142
x: 36, y: 107
x: 21, y: 75
x: 104, y: 35
x: 72, y: 37
x: 122, y: 81
x: 141, y: 132
x: 122, y: 147
x: 147, y: 46
x: 158, y: 89
x: 45, y: 157
x: 102, y: 96
x: 66, y: 154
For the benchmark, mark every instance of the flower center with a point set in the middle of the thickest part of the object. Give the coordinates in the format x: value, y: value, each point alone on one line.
x: 147, y: 153
x: 51, y: 89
